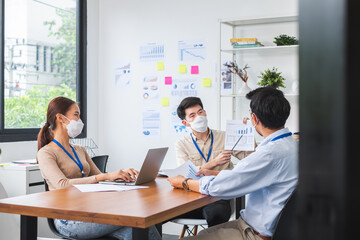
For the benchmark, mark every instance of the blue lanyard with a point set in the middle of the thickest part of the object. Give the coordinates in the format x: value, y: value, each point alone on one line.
x: 77, y: 161
x: 281, y: 136
x: 212, y: 141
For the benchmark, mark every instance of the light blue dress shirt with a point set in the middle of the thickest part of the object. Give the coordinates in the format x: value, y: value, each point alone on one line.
x: 267, y: 177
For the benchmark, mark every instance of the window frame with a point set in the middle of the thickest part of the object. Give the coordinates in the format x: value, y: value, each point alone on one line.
x: 30, y: 134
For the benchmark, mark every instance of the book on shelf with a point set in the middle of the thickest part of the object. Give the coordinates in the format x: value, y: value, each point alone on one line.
x: 248, y: 45
x: 243, y: 39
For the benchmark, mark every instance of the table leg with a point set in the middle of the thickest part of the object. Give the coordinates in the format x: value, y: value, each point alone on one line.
x: 140, y: 233
x: 28, y: 230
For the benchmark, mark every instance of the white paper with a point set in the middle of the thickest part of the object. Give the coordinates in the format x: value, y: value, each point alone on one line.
x: 98, y: 187
x: 191, y: 50
x: 176, y: 126
x: 152, y: 52
x: 234, y: 130
x: 184, y: 87
x: 151, y: 123
x: 122, y: 73
x: 188, y: 169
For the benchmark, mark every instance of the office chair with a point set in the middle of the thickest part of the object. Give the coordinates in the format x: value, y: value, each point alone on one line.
x: 100, y: 162
x: 55, y: 231
x: 192, y: 222
x: 286, y: 227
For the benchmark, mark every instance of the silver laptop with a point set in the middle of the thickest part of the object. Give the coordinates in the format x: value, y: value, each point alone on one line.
x: 149, y: 168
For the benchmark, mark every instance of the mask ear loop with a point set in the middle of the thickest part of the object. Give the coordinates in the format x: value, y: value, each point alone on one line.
x: 256, y: 121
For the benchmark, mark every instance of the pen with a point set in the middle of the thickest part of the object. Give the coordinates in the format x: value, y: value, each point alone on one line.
x: 236, y: 143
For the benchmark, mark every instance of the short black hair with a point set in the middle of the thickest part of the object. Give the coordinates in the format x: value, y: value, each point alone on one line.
x: 186, y: 103
x: 270, y: 106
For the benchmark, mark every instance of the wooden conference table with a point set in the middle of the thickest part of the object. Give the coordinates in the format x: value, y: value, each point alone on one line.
x: 139, y: 209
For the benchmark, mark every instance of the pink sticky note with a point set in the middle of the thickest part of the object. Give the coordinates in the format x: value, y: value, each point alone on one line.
x: 194, y: 69
x: 168, y: 80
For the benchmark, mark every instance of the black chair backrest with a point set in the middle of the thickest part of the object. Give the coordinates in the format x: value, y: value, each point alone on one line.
x: 100, y: 162
x: 286, y: 227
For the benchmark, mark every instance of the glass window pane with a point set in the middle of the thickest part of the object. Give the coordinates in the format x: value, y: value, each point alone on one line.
x: 40, y: 58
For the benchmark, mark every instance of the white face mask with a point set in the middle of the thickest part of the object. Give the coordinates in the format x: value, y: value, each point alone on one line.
x: 74, y: 128
x: 200, y: 124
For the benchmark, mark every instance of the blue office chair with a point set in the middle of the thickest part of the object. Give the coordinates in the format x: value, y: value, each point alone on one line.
x: 101, y: 162
x: 55, y: 231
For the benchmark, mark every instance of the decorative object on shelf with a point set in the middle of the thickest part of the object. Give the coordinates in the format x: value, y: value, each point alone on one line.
x: 242, y: 73
x: 245, y: 42
x: 283, y: 40
x: 272, y: 78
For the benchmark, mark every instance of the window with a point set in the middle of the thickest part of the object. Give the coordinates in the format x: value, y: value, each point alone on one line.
x: 42, y: 56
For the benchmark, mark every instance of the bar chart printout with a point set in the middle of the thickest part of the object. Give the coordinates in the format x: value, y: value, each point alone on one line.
x: 152, y: 52
x: 234, y: 130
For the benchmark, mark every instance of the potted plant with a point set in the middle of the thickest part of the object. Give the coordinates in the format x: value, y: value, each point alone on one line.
x: 284, y: 39
x: 272, y: 78
x: 232, y: 67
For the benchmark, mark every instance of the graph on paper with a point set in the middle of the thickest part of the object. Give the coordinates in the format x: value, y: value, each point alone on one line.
x: 234, y: 130
x: 152, y: 52
x: 191, y: 50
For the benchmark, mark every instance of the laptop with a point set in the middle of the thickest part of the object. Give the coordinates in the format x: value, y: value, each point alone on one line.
x: 149, y: 169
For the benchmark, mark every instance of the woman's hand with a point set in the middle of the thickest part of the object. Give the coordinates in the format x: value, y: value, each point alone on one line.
x: 128, y: 175
x: 177, y: 181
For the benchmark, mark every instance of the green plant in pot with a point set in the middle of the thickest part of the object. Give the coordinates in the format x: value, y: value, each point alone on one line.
x: 283, y: 40
x: 272, y: 78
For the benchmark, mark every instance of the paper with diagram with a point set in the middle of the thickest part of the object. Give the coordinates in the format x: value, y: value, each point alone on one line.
x: 236, y: 129
x: 188, y: 169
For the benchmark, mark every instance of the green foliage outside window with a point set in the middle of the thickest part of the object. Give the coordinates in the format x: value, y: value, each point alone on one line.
x: 29, y: 111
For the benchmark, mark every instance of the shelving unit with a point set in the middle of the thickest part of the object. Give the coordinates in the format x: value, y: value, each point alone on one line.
x: 264, y: 29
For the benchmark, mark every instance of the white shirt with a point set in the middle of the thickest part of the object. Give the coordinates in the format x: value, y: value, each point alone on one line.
x: 268, y: 176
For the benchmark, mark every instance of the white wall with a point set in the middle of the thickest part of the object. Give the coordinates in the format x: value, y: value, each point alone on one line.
x: 123, y: 26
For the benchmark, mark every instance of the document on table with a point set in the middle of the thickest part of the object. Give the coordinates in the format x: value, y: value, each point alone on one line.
x: 188, y: 169
x: 235, y: 130
x: 98, y: 187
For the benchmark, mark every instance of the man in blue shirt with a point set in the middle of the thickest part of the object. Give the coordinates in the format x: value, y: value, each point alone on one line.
x: 267, y: 177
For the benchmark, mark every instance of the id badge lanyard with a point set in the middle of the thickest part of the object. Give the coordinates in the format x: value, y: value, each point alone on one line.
x: 197, y: 147
x: 77, y: 161
x: 281, y: 136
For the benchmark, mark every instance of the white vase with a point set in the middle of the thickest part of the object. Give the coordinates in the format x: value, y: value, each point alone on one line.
x: 244, y: 89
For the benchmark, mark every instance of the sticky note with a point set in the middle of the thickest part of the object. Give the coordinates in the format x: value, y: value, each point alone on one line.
x: 194, y: 69
x: 206, y: 82
x: 168, y: 80
x: 160, y: 66
x: 164, y: 101
x: 182, y: 68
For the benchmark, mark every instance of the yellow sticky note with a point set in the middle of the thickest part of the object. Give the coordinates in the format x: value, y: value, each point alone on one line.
x: 160, y: 66
x: 182, y: 68
x: 164, y: 101
x: 206, y: 82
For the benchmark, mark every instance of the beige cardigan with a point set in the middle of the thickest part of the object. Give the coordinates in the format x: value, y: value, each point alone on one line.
x: 60, y: 171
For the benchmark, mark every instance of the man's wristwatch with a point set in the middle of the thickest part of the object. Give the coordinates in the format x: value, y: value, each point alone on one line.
x: 185, y: 184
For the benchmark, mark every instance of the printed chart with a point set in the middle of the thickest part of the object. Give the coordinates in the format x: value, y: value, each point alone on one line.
x: 236, y: 129
x: 191, y: 50
x: 152, y: 52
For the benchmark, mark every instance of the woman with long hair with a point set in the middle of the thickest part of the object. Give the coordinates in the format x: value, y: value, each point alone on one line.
x: 63, y: 164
